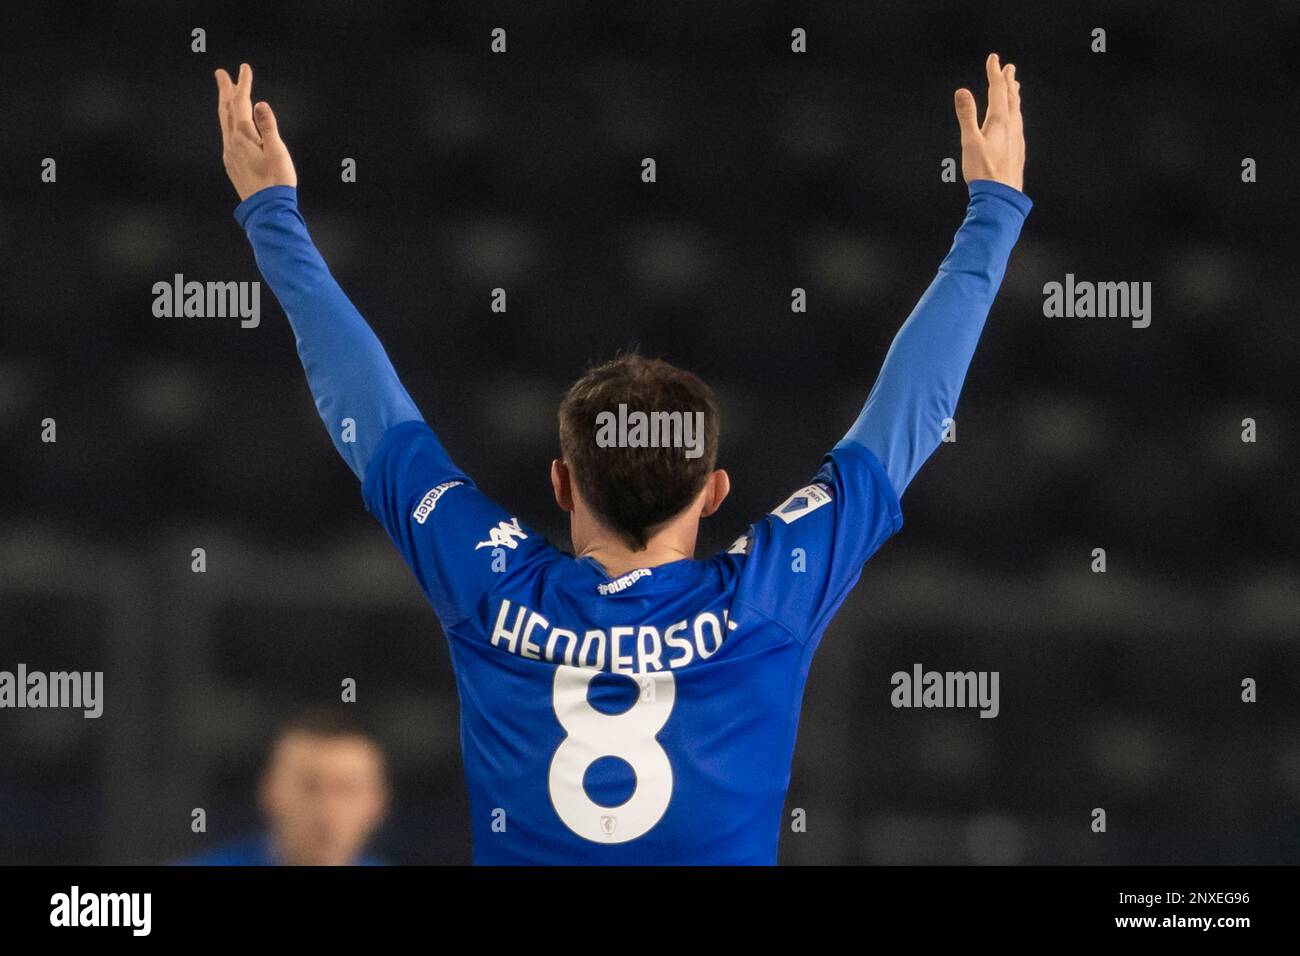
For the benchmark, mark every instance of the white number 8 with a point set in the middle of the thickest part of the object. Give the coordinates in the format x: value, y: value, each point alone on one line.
x: 629, y: 736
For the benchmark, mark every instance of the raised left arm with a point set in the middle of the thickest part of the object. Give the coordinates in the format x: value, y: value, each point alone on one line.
x: 922, y: 375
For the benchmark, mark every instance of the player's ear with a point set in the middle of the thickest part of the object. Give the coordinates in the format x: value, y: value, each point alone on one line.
x: 716, y: 490
x: 562, y: 485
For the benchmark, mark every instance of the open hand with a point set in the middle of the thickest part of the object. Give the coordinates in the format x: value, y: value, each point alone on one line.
x: 252, y: 151
x: 995, y: 150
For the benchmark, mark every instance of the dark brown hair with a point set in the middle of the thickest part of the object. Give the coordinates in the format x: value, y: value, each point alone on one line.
x: 328, y: 723
x: 633, y: 490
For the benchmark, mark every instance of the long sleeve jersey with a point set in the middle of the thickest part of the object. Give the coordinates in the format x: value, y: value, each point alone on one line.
x: 648, y: 718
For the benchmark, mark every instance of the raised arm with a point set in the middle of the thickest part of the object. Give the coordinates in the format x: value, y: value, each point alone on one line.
x: 357, y: 391
x: 918, y: 385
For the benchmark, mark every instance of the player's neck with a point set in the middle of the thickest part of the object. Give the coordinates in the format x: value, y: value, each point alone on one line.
x: 617, y: 560
x: 674, y: 540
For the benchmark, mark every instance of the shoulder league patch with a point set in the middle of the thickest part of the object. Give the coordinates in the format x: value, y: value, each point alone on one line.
x: 804, y: 501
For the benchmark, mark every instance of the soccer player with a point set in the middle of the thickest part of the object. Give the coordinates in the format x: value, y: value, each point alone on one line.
x: 627, y: 703
x: 324, y: 793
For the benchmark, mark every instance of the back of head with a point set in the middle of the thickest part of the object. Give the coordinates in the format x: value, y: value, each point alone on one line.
x: 640, y: 438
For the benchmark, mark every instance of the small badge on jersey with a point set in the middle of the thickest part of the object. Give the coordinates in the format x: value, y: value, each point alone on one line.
x: 802, y: 502
x: 430, y: 500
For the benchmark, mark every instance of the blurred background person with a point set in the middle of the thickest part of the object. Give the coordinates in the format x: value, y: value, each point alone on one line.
x: 323, y: 794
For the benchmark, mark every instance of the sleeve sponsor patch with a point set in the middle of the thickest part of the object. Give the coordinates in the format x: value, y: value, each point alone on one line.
x: 430, y: 500
x: 804, y: 501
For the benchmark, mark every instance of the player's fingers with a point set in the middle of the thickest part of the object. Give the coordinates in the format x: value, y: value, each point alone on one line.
x: 967, y: 115
x: 225, y: 89
x: 1013, y: 93
x: 997, y: 88
x: 266, y: 124
x: 242, y: 101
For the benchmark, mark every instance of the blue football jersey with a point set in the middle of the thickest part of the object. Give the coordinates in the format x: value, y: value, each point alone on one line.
x: 253, y: 851
x: 643, y: 719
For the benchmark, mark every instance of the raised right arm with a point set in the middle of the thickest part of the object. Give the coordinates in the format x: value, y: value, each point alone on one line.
x: 348, y: 371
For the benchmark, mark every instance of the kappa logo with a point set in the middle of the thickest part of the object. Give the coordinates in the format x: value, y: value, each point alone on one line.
x: 802, y: 502
x: 740, y: 545
x: 504, y: 535
x: 430, y: 500
x: 608, y: 823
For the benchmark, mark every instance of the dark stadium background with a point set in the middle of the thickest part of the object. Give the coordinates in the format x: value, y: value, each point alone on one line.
x: 775, y: 170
